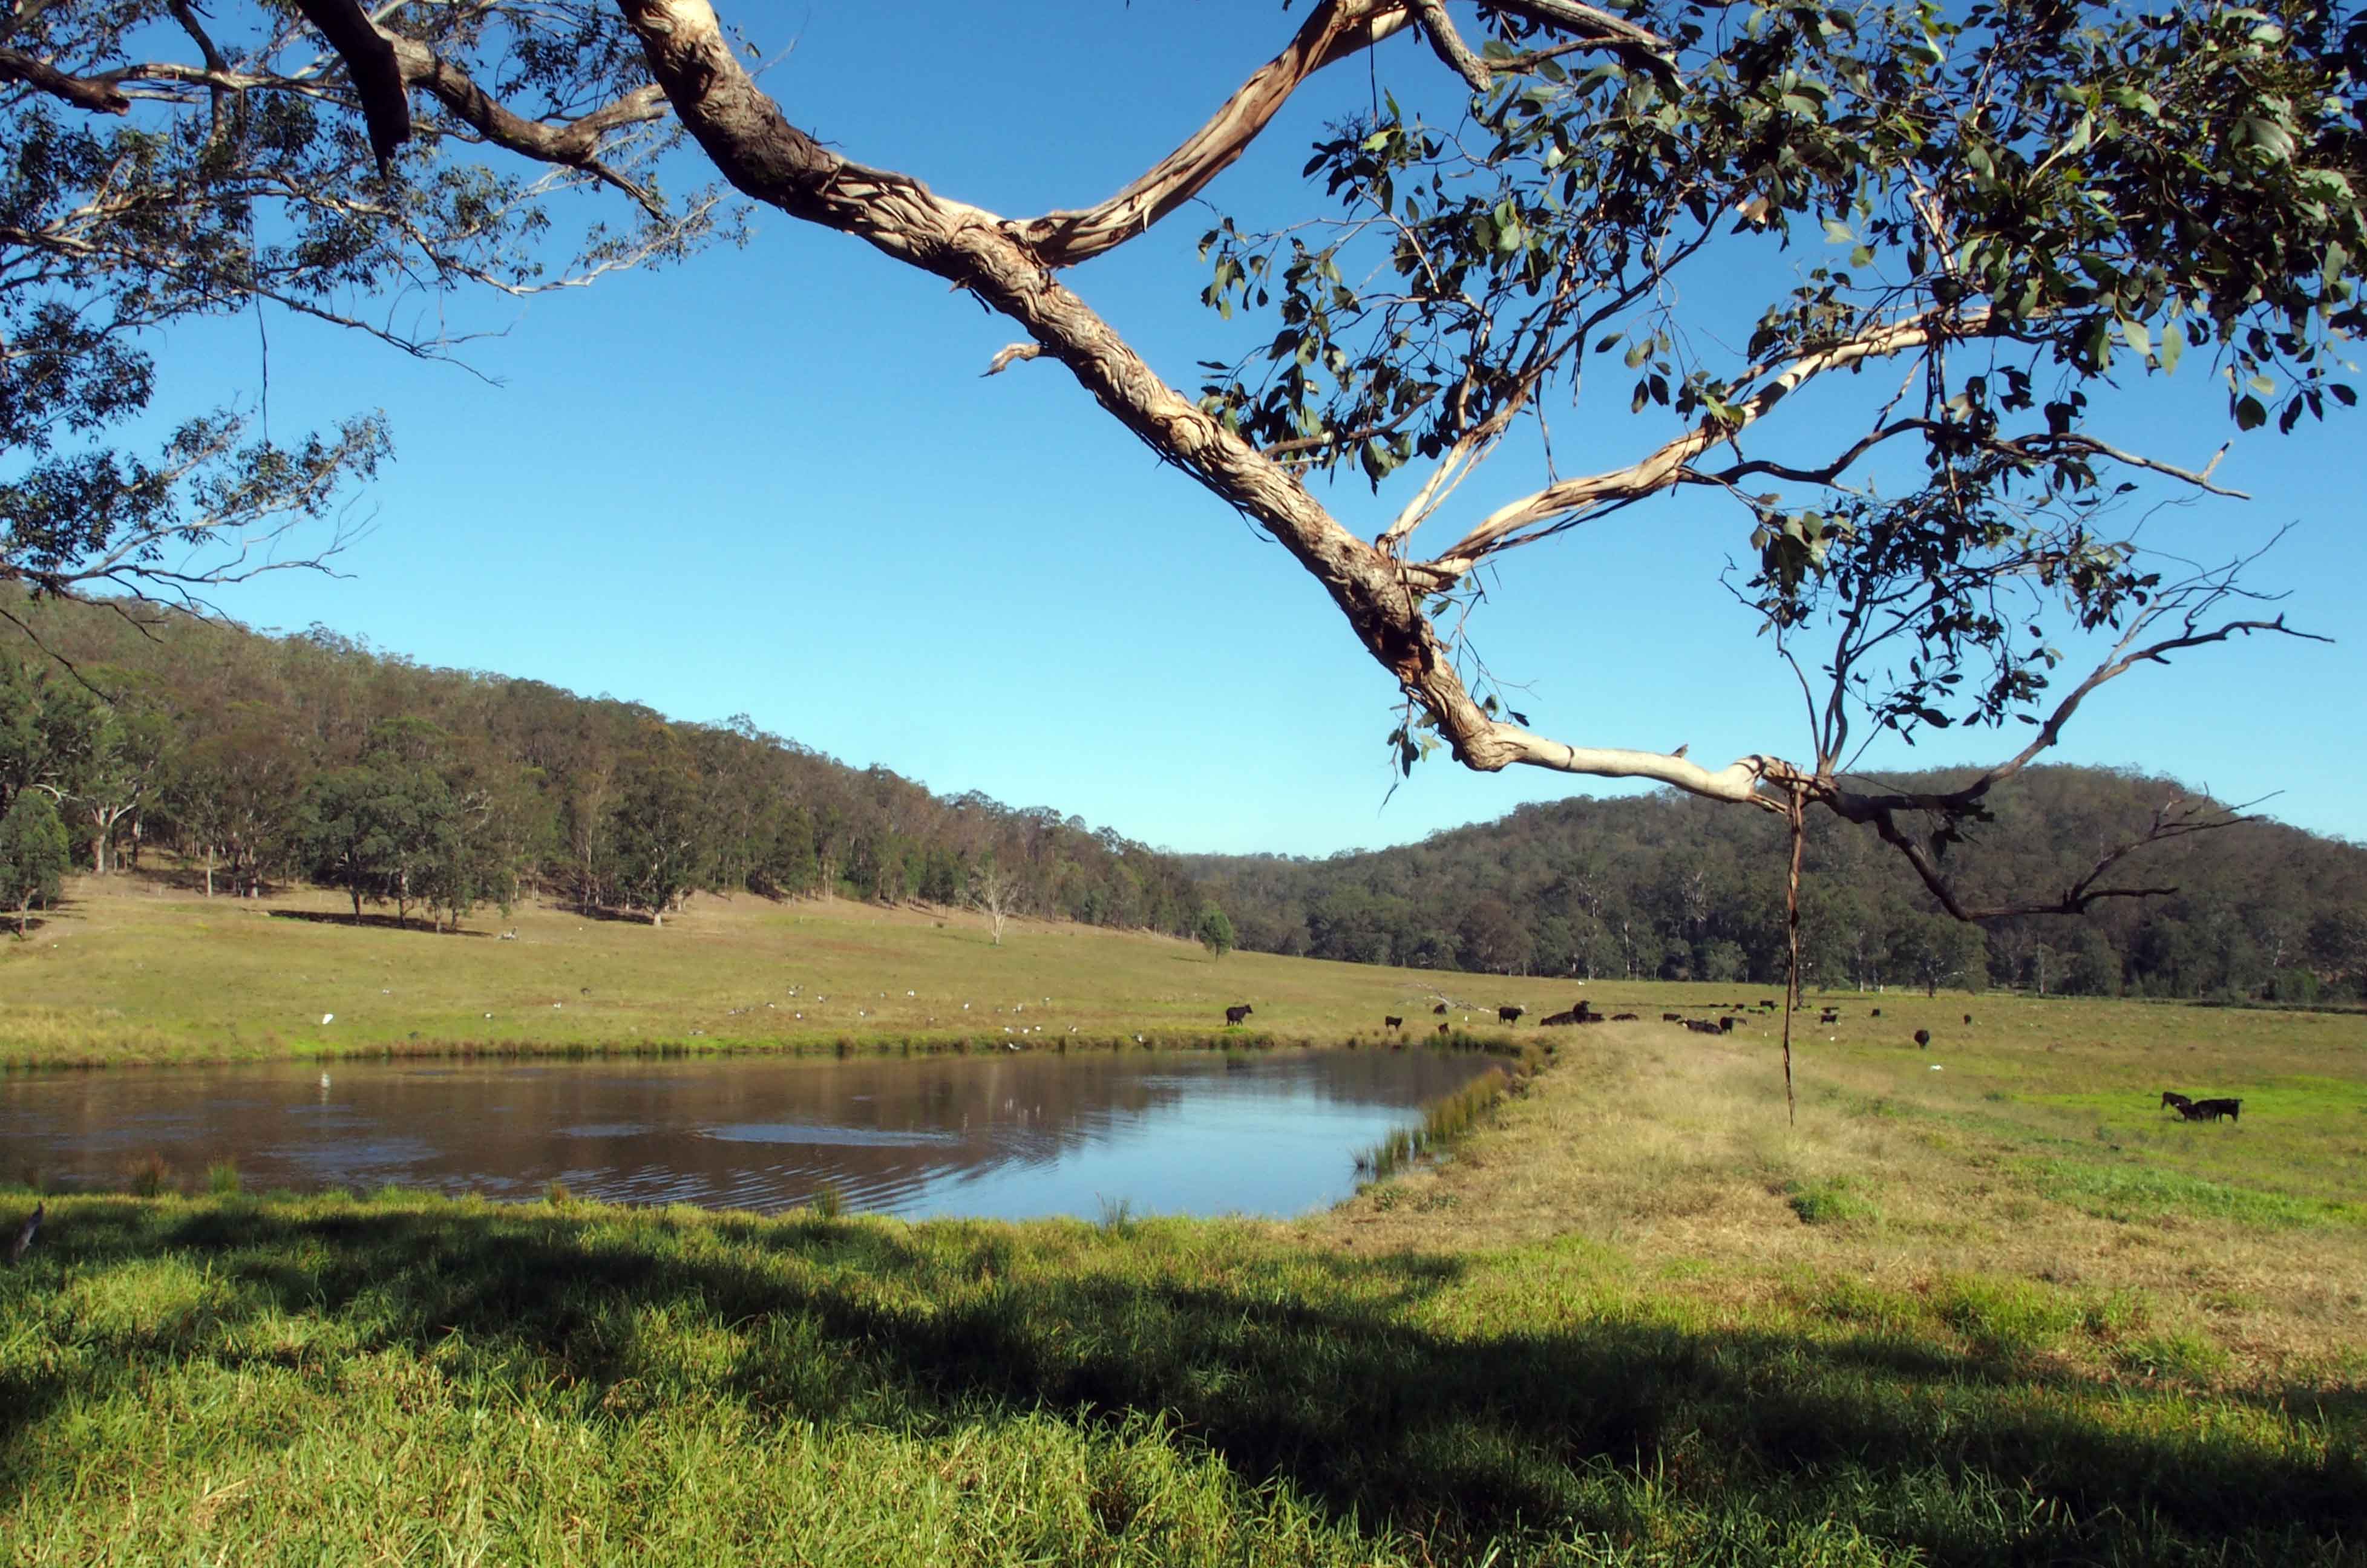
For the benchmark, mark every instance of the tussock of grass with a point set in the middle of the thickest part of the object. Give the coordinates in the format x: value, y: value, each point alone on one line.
x: 2128, y: 1192
x: 2006, y: 1317
x: 2173, y: 1354
x: 1833, y: 1201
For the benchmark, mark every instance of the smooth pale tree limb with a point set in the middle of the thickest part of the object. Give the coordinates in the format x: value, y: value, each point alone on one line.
x: 1335, y: 30
x: 1665, y: 467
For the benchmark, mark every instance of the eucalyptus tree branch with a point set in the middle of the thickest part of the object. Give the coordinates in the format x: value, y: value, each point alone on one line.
x: 1511, y: 524
x: 2124, y: 657
x: 2037, y: 445
x: 1335, y: 30
x: 83, y: 92
x: 374, y: 68
x: 756, y: 147
x: 1473, y: 448
x: 2189, y: 604
x: 2175, y: 819
x: 576, y: 142
x: 1439, y: 28
x: 237, y: 505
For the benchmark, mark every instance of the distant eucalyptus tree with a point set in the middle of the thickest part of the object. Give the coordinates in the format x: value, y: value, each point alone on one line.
x: 33, y: 855
x: 1215, y: 931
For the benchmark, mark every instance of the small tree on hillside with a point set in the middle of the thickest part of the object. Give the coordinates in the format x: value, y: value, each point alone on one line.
x: 994, y: 893
x: 1215, y: 931
x: 33, y: 855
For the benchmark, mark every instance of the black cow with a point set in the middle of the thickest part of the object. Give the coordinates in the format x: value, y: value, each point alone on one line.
x: 2170, y: 1097
x: 2212, y: 1110
x: 1387, y: 1022
x: 1509, y: 1015
x: 1440, y: 1010
x: 1623, y: 1018
x: 1702, y: 1026
x: 1726, y: 1025
x: 1968, y: 1019
x: 1877, y: 1012
x: 1559, y: 1020
x: 1673, y: 1017
x: 1923, y: 1038
x: 1442, y: 1029
x: 1235, y: 1014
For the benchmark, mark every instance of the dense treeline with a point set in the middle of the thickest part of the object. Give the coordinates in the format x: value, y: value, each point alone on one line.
x: 1666, y: 886
x: 262, y: 760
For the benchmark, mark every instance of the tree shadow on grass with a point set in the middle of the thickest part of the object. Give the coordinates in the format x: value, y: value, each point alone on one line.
x: 1319, y: 1369
x: 373, y: 922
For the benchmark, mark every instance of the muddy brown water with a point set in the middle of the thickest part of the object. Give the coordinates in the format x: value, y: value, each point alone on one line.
x: 1009, y: 1136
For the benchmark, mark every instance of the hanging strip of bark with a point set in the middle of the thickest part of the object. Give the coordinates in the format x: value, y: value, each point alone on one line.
x: 1796, y: 811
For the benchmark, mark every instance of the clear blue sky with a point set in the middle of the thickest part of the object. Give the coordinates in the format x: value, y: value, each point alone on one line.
x: 772, y: 482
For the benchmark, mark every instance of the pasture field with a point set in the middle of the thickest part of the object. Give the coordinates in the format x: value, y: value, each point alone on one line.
x: 2007, y: 1312
x: 142, y: 969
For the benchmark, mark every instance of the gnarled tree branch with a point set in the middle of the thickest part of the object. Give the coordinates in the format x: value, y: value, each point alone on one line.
x: 1335, y: 30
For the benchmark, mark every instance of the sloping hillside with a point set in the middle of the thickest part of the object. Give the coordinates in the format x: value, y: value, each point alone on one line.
x: 1666, y: 886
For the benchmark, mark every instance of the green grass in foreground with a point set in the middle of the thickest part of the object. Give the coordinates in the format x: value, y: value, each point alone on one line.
x: 337, y: 1380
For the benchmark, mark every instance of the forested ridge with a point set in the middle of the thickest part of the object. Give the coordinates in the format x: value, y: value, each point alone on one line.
x: 263, y: 760
x: 1669, y: 886
x: 432, y: 792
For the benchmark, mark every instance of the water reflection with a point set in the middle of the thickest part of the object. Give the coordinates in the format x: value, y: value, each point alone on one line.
x: 1007, y: 1136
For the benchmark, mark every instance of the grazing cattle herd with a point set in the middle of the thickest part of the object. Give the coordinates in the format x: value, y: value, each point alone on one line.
x: 1582, y: 1012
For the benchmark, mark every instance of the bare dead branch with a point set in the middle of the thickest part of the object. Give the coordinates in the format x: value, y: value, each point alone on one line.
x: 2033, y: 447
x: 1009, y: 356
x: 2176, y: 820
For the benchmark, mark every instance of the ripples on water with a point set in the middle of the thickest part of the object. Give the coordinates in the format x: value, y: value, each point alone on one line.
x: 1009, y: 1136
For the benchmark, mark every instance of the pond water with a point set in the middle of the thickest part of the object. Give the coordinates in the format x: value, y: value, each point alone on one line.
x: 1008, y: 1137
